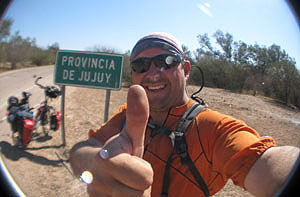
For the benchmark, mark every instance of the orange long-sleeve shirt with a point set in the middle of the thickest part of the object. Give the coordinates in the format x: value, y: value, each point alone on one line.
x: 221, y: 147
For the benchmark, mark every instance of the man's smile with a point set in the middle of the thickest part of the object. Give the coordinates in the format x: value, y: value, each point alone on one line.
x: 156, y: 86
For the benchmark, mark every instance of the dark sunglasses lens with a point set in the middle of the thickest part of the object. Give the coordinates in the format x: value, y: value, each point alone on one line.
x: 166, y: 61
x: 163, y: 61
x: 140, y: 65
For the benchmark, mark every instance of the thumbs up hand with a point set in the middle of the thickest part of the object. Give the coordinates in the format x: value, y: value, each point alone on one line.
x: 137, y: 115
x: 131, y: 138
x: 119, y: 169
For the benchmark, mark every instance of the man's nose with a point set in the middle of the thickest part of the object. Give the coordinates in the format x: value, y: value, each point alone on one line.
x: 154, y: 72
x: 153, y: 69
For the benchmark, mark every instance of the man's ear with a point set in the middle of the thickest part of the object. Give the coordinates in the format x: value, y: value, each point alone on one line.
x: 187, y: 68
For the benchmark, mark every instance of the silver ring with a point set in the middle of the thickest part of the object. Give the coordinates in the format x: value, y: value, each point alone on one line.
x: 103, y: 153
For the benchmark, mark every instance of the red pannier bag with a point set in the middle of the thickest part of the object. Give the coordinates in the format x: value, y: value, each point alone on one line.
x: 27, y: 132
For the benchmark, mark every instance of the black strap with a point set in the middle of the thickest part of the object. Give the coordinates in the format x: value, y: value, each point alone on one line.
x: 181, y: 145
x: 179, y: 141
x: 189, y: 116
x: 165, y: 186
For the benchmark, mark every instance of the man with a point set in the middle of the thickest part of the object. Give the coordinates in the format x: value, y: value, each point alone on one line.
x: 128, y: 158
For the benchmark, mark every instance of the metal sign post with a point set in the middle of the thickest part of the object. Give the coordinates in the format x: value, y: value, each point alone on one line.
x: 88, y: 69
x: 62, y: 106
x: 107, y: 99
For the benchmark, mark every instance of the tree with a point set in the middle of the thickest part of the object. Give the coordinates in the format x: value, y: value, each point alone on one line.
x: 238, y: 66
x: 40, y: 57
x: 127, y: 69
x: 228, y: 67
x: 54, y: 47
x: 18, y: 49
x: 51, y: 52
x: 206, y: 48
x: 15, y: 49
x: 188, y: 54
x: 240, y: 53
x: 5, y: 26
x: 284, y: 77
x: 225, y: 42
x: 100, y: 48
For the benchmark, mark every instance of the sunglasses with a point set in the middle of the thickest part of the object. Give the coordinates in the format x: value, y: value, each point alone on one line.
x: 162, y: 61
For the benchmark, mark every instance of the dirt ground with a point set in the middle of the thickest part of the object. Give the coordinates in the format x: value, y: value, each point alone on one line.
x: 43, y: 168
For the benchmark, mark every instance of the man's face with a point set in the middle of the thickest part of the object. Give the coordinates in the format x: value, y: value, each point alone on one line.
x: 165, y: 89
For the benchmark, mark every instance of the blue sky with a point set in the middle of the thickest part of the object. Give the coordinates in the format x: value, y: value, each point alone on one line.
x: 118, y: 24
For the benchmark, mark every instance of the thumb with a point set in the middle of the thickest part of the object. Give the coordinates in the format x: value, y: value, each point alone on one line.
x: 137, y: 115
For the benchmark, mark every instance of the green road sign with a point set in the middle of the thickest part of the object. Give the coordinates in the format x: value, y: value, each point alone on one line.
x: 88, y: 69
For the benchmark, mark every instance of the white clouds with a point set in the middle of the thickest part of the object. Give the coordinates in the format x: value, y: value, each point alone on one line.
x: 204, y: 7
x: 207, y: 5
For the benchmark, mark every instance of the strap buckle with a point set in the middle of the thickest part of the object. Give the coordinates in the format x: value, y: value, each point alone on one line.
x: 181, y: 147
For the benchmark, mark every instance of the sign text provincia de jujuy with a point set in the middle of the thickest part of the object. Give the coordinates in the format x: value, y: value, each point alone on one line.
x: 89, y: 69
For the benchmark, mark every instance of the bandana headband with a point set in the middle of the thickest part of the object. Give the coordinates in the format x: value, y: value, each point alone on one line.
x: 155, y: 41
